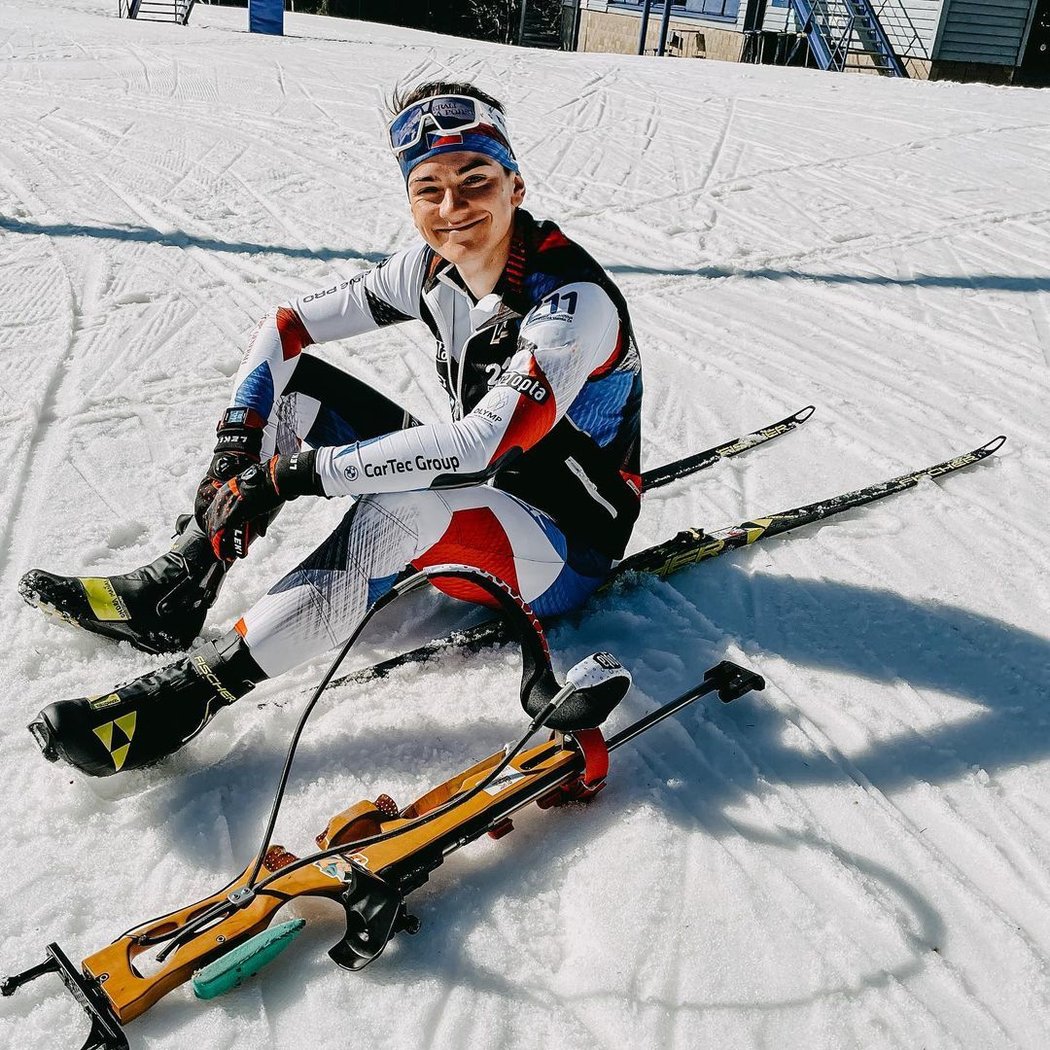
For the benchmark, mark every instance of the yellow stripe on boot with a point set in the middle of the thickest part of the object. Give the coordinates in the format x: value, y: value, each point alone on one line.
x: 105, y: 603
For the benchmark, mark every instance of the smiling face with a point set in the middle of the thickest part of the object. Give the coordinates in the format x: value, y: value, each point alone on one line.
x: 463, y: 206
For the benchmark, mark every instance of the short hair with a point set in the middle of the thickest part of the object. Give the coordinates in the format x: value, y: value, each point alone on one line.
x: 404, y: 96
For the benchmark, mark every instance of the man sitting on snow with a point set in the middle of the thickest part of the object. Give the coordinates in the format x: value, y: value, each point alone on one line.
x: 535, y: 479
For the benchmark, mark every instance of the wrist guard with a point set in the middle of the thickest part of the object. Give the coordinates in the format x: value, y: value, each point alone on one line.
x: 296, y: 475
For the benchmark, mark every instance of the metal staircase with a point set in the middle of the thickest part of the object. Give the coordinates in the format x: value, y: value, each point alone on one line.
x: 177, y: 11
x: 851, y: 34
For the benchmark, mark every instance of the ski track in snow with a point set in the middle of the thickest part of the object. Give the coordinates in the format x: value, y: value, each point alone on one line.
x: 856, y: 858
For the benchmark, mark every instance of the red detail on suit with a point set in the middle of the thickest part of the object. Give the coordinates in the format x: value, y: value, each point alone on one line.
x: 513, y: 276
x: 634, y: 480
x: 292, y: 331
x: 554, y: 239
x: 532, y: 419
x: 473, y: 537
x: 614, y: 358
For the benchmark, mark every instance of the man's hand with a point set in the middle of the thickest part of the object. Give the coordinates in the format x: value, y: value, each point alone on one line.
x: 244, y: 505
x: 238, y: 445
x: 224, y: 466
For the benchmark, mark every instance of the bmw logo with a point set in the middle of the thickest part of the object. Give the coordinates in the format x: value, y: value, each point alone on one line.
x: 350, y: 472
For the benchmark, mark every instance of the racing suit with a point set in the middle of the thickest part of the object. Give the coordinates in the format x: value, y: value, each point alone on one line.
x: 535, y: 478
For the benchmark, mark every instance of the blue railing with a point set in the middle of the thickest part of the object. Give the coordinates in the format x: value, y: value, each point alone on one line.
x: 836, y: 29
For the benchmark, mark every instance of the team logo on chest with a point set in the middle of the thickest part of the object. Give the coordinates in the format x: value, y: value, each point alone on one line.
x: 501, y: 331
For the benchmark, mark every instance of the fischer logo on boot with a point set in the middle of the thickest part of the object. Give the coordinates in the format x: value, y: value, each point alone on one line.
x: 201, y: 666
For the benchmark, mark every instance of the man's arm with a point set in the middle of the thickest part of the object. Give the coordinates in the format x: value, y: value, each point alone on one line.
x: 572, y: 334
x: 387, y: 294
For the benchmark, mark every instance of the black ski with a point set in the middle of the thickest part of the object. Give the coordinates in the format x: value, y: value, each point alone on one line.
x: 692, y: 546
x: 658, y: 476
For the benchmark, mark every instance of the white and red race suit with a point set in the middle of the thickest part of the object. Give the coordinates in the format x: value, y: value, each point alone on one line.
x: 536, y: 476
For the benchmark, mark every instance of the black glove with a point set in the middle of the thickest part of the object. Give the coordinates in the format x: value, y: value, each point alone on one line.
x: 238, y: 445
x: 244, y: 505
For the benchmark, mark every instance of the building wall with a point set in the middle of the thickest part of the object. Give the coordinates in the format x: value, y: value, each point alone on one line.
x: 983, y: 31
x: 972, y: 72
x: 922, y: 18
x: 617, y: 31
x: 911, y: 25
x: 720, y: 9
x: 777, y: 17
x: 979, y: 40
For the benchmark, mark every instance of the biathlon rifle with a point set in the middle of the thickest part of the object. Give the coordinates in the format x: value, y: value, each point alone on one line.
x: 372, y: 855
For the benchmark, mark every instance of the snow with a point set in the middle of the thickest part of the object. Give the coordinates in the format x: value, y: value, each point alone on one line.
x: 859, y: 857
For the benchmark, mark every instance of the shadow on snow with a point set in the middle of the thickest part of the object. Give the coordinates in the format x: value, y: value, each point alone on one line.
x: 983, y: 281
x: 178, y: 239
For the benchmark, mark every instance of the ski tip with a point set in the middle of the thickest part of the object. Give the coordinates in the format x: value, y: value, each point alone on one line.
x: 994, y: 445
x: 804, y: 413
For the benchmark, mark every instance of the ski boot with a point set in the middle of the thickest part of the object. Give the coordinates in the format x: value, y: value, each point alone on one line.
x: 159, y: 608
x: 152, y: 716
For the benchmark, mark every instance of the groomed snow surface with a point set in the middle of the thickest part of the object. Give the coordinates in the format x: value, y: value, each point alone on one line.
x: 857, y: 858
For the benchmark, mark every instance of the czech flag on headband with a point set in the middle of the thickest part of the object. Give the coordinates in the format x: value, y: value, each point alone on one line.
x: 439, y: 138
x: 481, y: 139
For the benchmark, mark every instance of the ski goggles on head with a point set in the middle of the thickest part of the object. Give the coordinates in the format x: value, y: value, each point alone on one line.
x: 445, y: 124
